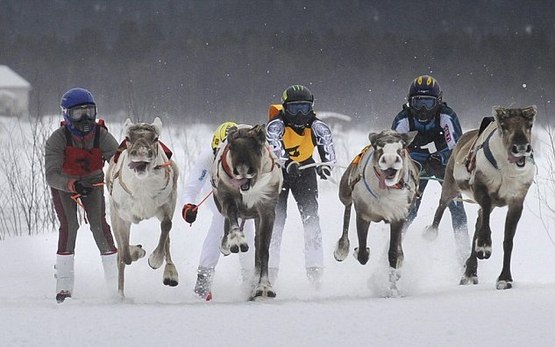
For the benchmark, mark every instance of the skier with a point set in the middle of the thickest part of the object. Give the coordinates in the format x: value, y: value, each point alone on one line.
x: 438, y: 131
x: 294, y: 133
x: 74, y: 157
x: 198, y: 182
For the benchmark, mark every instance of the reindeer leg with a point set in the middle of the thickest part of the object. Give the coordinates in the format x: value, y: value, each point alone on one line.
x: 170, y: 272
x: 505, y: 280
x: 121, y: 233
x: 449, y: 191
x: 395, y: 256
x: 156, y: 259
x: 482, y: 244
x: 343, y: 245
x: 234, y: 239
x: 471, y: 266
x: 362, y: 253
x: 263, y: 236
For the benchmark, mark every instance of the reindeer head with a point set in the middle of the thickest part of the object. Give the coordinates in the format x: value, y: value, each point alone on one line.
x: 246, y: 147
x: 515, y: 125
x: 142, y: 145
x: 390, y: 154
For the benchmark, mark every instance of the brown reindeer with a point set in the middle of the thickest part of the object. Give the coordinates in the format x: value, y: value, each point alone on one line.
x: 495, y: 168
x: 246, y: 183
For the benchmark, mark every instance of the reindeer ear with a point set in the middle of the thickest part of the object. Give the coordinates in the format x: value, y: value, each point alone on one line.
x: 259, y: 133
x: 500, y: 113
x: 157, y: 124
x: 232, y: 133
x: 126, y: 125
x: 372, y: 136
x: 409, y: 137
x: 530, y: 112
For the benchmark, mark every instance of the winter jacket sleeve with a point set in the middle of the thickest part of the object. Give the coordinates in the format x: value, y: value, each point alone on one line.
x: 54, y: 160
x: 274, y: 135
x: 108, y: 144
x: 198, y: 176
x: 324, y: 141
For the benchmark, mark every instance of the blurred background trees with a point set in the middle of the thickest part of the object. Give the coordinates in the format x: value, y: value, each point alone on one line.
x: 207, y: 61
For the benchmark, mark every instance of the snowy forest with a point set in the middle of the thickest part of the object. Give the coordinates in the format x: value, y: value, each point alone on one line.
x: 206, y: 61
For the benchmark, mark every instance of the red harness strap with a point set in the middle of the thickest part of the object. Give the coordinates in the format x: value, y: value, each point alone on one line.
x: 123, y: 146
x: 225, y: 165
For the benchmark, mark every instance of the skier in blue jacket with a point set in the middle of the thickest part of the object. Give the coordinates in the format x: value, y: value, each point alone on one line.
x: 438, y: 131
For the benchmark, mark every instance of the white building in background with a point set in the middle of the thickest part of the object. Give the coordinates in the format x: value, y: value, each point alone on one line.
x: 14, y: 93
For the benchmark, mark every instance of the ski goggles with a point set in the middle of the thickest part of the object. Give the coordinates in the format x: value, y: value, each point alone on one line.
x: 303, y: 107
x: 423, y: 102
x: 78, y: 113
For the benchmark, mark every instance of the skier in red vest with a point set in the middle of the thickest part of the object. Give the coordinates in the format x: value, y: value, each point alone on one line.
x: 74, y: 157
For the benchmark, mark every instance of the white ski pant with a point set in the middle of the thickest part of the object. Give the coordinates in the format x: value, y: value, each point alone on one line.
x: 210, y: 253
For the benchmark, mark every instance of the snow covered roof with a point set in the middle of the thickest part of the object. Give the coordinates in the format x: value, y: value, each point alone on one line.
x: 10, y: 79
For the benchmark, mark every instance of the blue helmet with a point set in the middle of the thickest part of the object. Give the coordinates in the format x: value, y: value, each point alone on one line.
x: 79, y: 110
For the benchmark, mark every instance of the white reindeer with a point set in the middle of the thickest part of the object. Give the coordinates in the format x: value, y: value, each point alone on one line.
x: 142, y: 182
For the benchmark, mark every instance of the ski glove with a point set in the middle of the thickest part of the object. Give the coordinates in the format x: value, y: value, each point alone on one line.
x: 324, y: 171
x: 436, y: 157
x: 190, y: 212
x: 83, y: 187
x: 292, y: 169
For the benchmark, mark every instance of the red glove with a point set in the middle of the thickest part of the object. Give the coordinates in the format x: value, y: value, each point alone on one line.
x: 189, y: 212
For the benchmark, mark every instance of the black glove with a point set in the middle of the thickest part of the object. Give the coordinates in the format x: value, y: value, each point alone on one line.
x: 324, y: 171
x: 292, y: 169
x: 436, y: 157
x: 189, y: 213
x: 83, y: 187
x: 434, y: 165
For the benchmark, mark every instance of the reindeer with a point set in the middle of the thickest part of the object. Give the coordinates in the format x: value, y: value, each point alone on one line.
x: 142, y: 182
x: 495, y: 168
x: 246, y: 183
x: 382, y: 183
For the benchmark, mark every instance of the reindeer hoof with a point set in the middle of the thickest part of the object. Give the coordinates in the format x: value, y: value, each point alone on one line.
x: 430, y: 233
x: 154, y: 261
x: 466, y: 280
x: 341, y: 250
x: 170, y: 275
x: 170, y: 282
x: 362, y: 257
x: 224, y: 248
x: 263, y: 291
x: 503, y: 284
x: 483, y: 253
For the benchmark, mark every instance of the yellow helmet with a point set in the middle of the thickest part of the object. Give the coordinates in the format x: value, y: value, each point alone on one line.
x: 221, y: 134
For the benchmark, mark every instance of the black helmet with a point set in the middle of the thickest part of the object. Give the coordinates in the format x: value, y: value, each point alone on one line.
x: 424, y: 98
x: 298, y: 105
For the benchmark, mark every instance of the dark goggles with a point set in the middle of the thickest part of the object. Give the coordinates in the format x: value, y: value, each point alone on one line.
x: 423, y: 102
x: 304, y: 107
x: 78, y: 113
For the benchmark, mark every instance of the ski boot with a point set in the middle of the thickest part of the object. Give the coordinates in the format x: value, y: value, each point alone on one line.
x: 204, y: 283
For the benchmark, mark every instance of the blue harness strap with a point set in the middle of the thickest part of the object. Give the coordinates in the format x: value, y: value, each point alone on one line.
x: 487, y: 150
x: 364, y: 176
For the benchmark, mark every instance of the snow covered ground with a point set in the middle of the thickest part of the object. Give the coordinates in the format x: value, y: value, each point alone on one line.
x: 348, y: 310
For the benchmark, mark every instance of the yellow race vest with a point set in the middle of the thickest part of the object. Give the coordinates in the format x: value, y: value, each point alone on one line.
x: 299, y: 147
